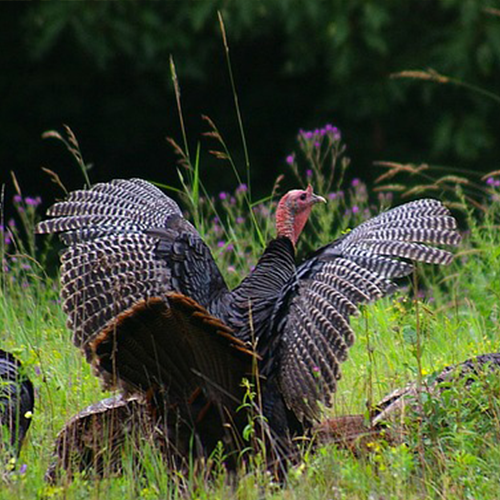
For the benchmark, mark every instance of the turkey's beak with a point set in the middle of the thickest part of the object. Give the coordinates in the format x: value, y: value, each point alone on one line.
x: 317, y: 199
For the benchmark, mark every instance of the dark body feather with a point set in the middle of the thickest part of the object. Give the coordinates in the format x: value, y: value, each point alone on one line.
x: 17, y: 398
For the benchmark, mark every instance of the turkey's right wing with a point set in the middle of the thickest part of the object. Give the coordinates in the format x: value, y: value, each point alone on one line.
x: 127, y: 242
x: 311, y: 319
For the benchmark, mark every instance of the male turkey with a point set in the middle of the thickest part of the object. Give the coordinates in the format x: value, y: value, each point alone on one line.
x: 17, y: 398
x: 150, y: 309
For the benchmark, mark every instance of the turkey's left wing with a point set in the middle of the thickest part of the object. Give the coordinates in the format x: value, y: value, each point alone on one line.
x: 311, y: 319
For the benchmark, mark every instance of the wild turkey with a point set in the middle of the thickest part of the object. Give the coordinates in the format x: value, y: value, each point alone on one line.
x: 17, y: 401
x: 390, y: 418
x: 151, y: 311
x: 95, y: 440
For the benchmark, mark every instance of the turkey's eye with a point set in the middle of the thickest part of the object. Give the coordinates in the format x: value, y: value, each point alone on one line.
x: 303, y: 196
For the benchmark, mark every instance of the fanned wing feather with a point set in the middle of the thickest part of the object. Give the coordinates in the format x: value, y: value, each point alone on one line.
x: 127, y: 242
x: 311, y: 317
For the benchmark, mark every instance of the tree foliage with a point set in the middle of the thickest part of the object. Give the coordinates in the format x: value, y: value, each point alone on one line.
x: 297, y: 63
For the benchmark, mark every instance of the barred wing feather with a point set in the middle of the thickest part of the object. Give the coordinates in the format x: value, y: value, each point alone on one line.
x: 311, y: 317
x: 127, y: 242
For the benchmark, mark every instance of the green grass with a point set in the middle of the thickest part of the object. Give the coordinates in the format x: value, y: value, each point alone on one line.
x: 458, y: 317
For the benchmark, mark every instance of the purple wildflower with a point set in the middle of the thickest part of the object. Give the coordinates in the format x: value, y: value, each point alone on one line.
x: 34, y: 202
x: 242, y: 188
x: 222, y: 195
x: 240, y: 220
x: 332, y: 196
x: 11, y: 223
x: 355, y: 209
x: 309, y: 173
x: 38, y: 371
x: 221, y: 244
x: 18, y: 198
x: 317, y: 144
x: 290, y: 159
x: 490, y: 181
x: 355, y: 182
x: 22, y: 469
x: 230, y: 247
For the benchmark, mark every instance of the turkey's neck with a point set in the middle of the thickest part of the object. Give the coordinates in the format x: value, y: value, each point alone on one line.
x: 288, y: 223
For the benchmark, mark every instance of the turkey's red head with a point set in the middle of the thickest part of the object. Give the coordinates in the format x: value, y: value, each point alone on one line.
x: 293, y: 211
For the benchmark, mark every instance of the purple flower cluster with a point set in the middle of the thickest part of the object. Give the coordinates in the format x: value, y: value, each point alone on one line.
x: 227, y: 247
x: 29, y: 201
x: 6, y: 235
x: 335, y: 195
x: 242, y: 188
x: 238, y: 194
x: 315, y: 136
x: 493, y: 182
x: 385, y: 197
x: 316, y: 142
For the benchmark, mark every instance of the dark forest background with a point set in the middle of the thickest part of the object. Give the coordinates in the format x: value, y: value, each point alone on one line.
x: 103, y: 69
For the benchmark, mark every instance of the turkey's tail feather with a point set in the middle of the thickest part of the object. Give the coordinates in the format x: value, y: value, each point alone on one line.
x: 181, y: 356
x: 17, y: 401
